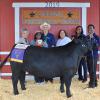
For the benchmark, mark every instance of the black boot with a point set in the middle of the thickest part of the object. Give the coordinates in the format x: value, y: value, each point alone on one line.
x: 91, y: 84
x: 84, y: 80
x: 96, y: 83
x: 80, y: 79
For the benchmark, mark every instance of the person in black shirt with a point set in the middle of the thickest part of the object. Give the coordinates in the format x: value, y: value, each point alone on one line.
x: 79, y: 35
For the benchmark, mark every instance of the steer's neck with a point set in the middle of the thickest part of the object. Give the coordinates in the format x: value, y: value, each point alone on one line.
x: 80, y: 52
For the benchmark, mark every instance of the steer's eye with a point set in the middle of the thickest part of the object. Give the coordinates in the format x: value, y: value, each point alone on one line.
x: 83, y: 45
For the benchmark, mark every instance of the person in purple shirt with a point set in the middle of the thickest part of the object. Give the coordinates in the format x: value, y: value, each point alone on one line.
x: 92, y: 56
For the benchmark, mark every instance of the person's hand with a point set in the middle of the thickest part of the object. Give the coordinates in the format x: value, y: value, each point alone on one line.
x: 45, y: 44
x: 36, y: 43
x: 91, y: 35
x: 53, y: 46
x: 39, y: 42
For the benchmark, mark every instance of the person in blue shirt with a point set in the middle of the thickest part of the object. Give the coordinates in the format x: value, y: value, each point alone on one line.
x: 47, y: 36
x: 92, y: 56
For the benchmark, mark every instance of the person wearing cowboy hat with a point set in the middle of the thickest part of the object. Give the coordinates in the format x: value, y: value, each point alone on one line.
x: 47, y: 36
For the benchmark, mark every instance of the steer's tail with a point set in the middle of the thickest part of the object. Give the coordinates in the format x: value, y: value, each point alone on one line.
x: 5, y: 60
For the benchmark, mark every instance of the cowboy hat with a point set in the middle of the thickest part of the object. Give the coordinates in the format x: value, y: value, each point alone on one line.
x: 45, y: 24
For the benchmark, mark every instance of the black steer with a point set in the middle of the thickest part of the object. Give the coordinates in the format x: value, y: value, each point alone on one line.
x: 48, y: 63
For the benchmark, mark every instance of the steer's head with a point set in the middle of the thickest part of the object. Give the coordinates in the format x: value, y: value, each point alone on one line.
x: 85, y: 44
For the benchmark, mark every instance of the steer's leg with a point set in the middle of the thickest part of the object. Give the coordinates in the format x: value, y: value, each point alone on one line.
x: 15, y: 67
x: 22, y: 80
x: 62, y: 84
x: 15, y: 81
x: 67, y: 80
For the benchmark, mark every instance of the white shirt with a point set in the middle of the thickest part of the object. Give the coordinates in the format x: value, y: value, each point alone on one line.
x: 63, y: 41
x: 23, y: 41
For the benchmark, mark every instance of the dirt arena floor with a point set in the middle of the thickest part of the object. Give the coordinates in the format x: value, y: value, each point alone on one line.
x: 48, y: 91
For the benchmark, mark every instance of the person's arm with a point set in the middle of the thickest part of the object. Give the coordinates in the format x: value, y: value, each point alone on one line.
x: 53, y: 40
x: 69, y: 40
x: 32, y: 43
x: 96, y: 40
x: 57, y: 44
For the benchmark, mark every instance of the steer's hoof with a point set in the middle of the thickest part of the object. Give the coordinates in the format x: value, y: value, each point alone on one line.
x: 16, y: 93
x: 91, y: 86
x: 68, y: 96
x: 24, y: 88
x: 96, y: 84
x: 62, y: 91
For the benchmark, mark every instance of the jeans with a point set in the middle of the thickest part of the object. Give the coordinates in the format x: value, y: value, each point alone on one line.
x: 84, y: 65
x: 92, y: 65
